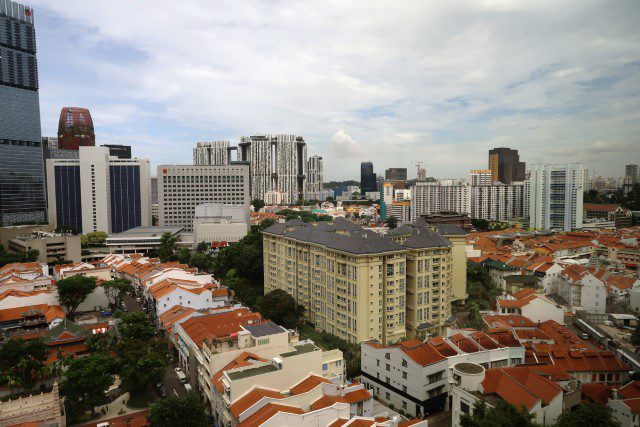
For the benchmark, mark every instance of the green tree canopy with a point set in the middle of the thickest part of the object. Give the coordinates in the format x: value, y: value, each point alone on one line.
x: 481, y: 288
x: 475, y: 319
x: 588, y: 415
x: 392, y: 222
x: 257, y: 204
x: 136, y: 326
x: 179, y: 411
x: 94, y: 238
x: 203, y: 247
x: 22, y: 362
x: 86, y: 381
x: 184, y: 256
x: 11, y: 257
x: 503, y: 415
x: 115, y: 290
x: 280, y: 307
x: 167, y: 248
x: 74, y: 290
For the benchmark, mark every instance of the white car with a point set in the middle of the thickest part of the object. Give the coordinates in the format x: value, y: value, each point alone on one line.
x: 178, y: 369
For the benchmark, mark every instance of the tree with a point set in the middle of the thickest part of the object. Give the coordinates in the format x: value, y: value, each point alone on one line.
x: 115, y: 290
x: 635, y: 336
x: 201, y: 261
x: 184, y: 256
x: 94, y: 238
x: 30, y: 255
x: 154, y: 220
x: 73, y: 290
x: 480, y: 224
x: 86, y: 381
x: 167, y: 247
x: 179, y: 411
x: 503, y: 414
x: 141, y: 355
x: 475, y: 319
x: 203, y: 247
x: 392, y: 222
x: 22, y: 362
x: 280, y: 307
x: 257, y: 204
x: 480, y: 286
x: 588, y: 415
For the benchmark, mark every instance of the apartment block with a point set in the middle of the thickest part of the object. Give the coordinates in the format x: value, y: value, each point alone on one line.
x: 315, y: 174
x: 415, y: 376
x: 354, y: 283
x: 442, y: 196
x: 183, y: 187
x: 214, y: 153
x: 50, y: 246
x: 497, y: 202
x: 481, y: 177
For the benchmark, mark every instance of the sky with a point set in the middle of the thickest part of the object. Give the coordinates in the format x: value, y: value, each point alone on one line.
x: 390, y: 82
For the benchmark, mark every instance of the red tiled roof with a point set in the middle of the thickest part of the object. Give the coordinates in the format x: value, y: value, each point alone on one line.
x: 520, y: 386
x: 308, y: 384
x: 596, y: 392
x: 218, y: 325
x: 508, y: 321
x: 357, y: 396
x: 267, y: 412
x: 251, y: 398
x: 631, y: 390
x: 326, y: 401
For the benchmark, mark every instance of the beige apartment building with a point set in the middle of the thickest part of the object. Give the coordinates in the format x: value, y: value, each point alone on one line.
x: 359, y: 285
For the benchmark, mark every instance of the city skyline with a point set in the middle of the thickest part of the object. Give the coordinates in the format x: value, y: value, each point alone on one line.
x: 475, y: 80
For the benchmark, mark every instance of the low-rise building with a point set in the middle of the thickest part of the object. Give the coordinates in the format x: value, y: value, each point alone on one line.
x: 140, y: 240
x: 217, y: 222
x: 26, y: 276
x: 531, y: 305
x: 415, y: 376
x: 582, y: 290
x: 50, y: 246
x: 62, y: 271
x: 44, y: 408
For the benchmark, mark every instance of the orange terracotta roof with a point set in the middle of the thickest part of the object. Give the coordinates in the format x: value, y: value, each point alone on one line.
x: 520, y: 386
x: 339, y: 422
x: 267, y: 412
x: 357, y: 396
x: 218, y: 325
x: 251, y: 398
x: 605, y: 207
x: 508, y: 321
x: 50, y: 312
x: 175, y: 314
x: 325, y: 401
x: 22, y: 294
x: 596, y: 392
x: 308, y: 384
x: 244, y: 359
x: 631, y: 390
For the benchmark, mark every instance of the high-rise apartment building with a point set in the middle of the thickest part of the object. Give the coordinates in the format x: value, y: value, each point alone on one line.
x: 497, y: 202
x: 22, y: 185
x: 506, y: 166
x: 183, y: 187
x: 632, y: 172
x: 277, y: 163
x: 314, y: 175
x: 395, y: 174
x: 359, y: 285
x: 555, y: 196
x: 97, y: 192
x: 214, y: 153
x: 481, y: 177
x: 75, y: 129
x: 368, y: 181
x: 441, y: 196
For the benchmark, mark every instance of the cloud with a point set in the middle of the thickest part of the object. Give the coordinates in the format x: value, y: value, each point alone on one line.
x: 439, y: 82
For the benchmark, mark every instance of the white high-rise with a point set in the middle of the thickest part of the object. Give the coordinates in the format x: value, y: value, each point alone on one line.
x: 481, y: 177
x: 497, y: 202
x: 555, y: 196
x: 441, y: 196
x: 183, y: 187
x: 314, y: 175
x: 214, y: 153
x: 97, y: 192
x: 277, y: 163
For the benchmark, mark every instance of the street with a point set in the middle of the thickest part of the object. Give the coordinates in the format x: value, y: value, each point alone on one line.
x: 132, y: 305
x: 171, y: 383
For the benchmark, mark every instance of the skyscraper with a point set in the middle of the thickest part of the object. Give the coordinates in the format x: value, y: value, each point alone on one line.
x: 632, y: 172
x: 277, y: 163
x: 555, y: 196
x: 214, y: 153
x: 368, y: 182
x: 22, y: 187
x: 395, y: 174
x: 506, y: 166
x: 314, y: 175
x: 97, y: 192
x: 75, y: 129
x: 481, y: 177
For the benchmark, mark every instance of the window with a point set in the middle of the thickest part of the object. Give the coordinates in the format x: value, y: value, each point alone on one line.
x: 387, y: 356
x: 325, y: 366
x: 404, y: 405
x: 404, y: 362
x: 388, y: 368
x: 404, y: 388
x: 464, y: 408
x: 404, y: 375
x: 388, y: 395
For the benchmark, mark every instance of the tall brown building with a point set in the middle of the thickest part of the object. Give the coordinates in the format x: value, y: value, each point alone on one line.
x: 75, y: 129
x: 506, y: 166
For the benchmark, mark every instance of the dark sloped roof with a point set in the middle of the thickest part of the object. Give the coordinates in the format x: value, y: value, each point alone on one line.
x: 264, y: 328
x: 423, y: 239
x: 450, y: 230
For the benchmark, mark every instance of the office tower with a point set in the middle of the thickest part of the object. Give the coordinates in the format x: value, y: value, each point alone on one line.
x: 368, y: 182
x: 440, y: 196
x: 215, y: 153
x: 97, y: 192
x: 359, y: 285
x: 497, y: 202
x: 75, y: 129
x: 119, y: 151
x: 555, y: 196
x: 183, y: 187
x: 481, y: 177
x: 49, y: 143
x: 506, y: 166
x: 314, y: 175
x: 395, y: 174
x: 632, y: 172
x: 277, y: 163
x: 22, y: 187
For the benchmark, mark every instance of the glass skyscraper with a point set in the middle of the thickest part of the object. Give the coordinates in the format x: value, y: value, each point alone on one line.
x: 22, y: 188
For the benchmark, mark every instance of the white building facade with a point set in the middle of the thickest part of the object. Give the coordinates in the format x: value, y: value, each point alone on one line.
x: 214, y: 153
x: 556, y: 196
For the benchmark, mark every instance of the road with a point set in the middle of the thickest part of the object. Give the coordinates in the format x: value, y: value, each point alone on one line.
x: 132, y: 304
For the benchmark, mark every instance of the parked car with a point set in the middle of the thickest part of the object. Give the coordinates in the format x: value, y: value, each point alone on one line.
x: 178, y: 369
x: 584, y: 336
x: 105, y: 313
x: 187, y: 387
x: 161, y: 390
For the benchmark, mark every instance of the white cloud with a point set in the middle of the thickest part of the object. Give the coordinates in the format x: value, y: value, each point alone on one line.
x: 435, y: 81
